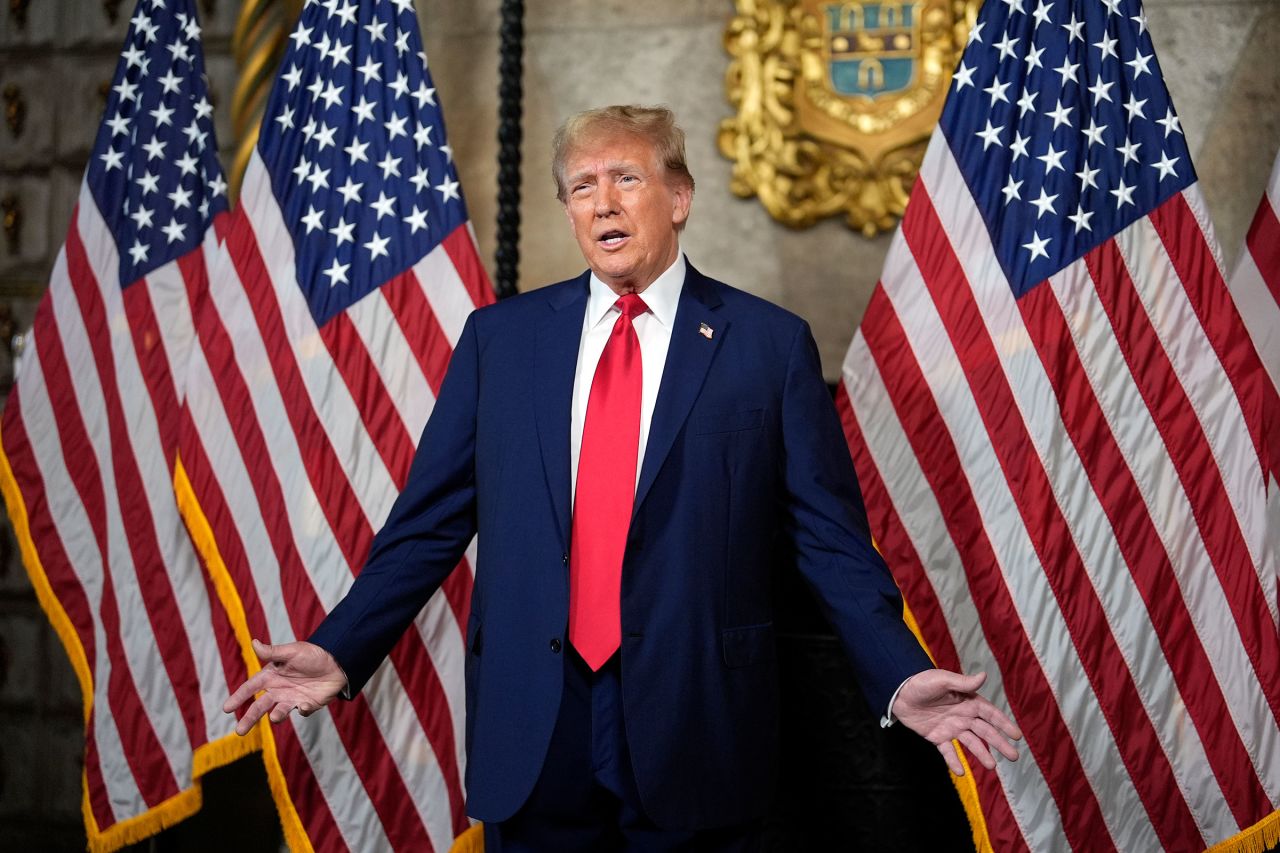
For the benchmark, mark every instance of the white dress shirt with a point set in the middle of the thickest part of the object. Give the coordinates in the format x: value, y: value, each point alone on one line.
x: 653, y: 328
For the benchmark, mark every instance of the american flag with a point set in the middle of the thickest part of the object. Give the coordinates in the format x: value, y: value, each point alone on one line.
x: 348, y: 271
x: 1059, y: 424
x: 90, y: 433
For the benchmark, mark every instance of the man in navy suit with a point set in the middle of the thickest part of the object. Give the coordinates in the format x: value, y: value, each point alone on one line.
x: 637, y: 449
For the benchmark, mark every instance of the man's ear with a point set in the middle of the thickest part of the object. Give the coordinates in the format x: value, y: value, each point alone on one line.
x: 682, y: 200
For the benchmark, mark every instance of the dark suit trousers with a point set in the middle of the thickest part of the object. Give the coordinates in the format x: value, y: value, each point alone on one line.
x: 585, y: 798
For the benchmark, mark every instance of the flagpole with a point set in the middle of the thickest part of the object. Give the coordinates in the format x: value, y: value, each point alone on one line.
x: 510, y: 134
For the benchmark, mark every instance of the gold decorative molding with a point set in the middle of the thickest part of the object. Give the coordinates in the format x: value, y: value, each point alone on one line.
x: 258, y: 45
x: 15, y: 109
x: 11, y: 221
x: 836, y: 102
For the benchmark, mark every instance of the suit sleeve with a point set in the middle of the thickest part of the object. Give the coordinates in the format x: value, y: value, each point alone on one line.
x: 828, y: 524
x: 430, y: 525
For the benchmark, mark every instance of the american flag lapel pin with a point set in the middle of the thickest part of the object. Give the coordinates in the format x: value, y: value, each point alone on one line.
x: 705, y: 330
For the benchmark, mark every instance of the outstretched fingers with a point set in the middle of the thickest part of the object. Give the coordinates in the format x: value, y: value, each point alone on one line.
x: 946, y: 708
x: 280, y: 712
x: 997, y: 738
x: 977, y: 749
x: 949, y: 755
x: 263, y: 679
x: 294, y: 676
x: 260, y: 706
x: 979, y: 738
x: 997, y: 718
x: 963, y: 683
x: 245, y: 691
x: 268, y: 653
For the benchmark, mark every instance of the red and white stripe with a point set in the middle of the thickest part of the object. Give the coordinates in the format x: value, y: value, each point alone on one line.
x: 297, y: 442
x: 1255, y: 286
x: 1255, y: 281
x: 1069, y: 488
x: 90, y: 431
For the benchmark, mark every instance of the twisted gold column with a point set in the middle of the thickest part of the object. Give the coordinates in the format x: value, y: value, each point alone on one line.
x: 258, y: 44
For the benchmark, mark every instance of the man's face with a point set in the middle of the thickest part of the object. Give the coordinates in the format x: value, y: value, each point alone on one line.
x: 623, y: 211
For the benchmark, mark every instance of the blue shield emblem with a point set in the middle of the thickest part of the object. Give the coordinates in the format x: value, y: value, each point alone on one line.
x: 872, y: 48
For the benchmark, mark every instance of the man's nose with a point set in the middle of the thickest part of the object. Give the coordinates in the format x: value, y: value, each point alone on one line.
x: 606, y: 199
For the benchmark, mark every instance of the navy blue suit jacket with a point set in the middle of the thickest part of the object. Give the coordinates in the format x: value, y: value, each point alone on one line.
x: 745, y: 465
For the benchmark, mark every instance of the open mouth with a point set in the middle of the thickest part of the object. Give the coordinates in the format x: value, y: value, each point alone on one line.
x: 611, y: 239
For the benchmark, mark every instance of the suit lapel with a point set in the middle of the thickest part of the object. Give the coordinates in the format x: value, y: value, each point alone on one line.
x: 555, y: 362
x: 688, y: 359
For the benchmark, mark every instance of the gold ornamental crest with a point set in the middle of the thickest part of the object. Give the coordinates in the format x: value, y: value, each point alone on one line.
x: 836, y: 102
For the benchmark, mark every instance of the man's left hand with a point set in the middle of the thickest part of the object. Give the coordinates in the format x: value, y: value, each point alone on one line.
x: 943, y: 706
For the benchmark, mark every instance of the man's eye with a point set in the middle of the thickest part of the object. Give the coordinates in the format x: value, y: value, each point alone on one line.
x: 629, y: 179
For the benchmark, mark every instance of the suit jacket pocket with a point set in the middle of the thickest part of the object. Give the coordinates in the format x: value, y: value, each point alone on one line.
x: 713, y: 422
x: 749, y: 645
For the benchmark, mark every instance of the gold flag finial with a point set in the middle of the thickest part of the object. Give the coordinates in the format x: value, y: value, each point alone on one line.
x: 258, y: 45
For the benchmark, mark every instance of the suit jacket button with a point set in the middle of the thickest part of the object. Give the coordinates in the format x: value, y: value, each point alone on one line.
x: 564, y: 558
x: 555, y: 645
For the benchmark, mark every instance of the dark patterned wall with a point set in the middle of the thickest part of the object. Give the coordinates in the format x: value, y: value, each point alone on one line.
x: 845, y: 783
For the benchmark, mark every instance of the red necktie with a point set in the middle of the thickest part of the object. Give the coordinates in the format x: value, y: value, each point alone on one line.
x: 606, y: 491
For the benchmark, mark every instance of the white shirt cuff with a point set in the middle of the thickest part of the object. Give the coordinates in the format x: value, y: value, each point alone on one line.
x: 888, y: 719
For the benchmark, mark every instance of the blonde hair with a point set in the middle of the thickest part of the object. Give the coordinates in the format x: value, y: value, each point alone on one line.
x: 655, y: 124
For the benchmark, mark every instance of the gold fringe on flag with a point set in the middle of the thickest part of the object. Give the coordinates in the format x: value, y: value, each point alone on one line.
x: 1259, y: 838
x: 964, y: 785
x: 205, y: 758
x: 471, y: 841
x: 295, y: 835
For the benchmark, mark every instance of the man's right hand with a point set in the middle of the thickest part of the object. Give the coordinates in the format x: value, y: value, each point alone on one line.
x: 294, y: 675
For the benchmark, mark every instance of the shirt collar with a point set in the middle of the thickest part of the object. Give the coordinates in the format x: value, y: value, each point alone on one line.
x: 662, y: 296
